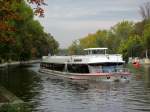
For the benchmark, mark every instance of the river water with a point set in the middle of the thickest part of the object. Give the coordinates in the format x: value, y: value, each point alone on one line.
x: 43, y: 93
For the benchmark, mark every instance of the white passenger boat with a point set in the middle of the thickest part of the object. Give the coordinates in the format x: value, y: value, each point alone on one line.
x: 95, y: 65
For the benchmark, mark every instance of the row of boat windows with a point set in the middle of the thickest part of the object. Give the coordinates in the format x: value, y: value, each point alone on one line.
x: 79, y: 68
x: 57, y: 67
x: 72, y: 68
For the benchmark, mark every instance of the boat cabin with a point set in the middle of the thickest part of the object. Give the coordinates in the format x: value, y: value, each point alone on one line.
x: 95, y: 51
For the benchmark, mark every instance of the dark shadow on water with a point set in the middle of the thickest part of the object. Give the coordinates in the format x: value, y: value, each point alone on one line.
x: 22, y: 82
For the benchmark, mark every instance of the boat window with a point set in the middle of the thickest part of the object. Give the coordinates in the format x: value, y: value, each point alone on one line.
x: 103, y: 68
x: 112, y: 68
x: 78, y: 68
x: 58, y: 67
x: 96, y: 52
x: 109, y: 69
x: 95, y: 69
x: 52, y: 66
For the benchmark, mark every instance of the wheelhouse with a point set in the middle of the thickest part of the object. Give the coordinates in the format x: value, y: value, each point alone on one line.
x: 95, y: 51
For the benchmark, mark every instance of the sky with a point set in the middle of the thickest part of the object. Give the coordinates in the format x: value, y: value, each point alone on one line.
x: 69, y: 20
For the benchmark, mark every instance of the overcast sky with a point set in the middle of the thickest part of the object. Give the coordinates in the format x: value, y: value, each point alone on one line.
x: 69, y: 20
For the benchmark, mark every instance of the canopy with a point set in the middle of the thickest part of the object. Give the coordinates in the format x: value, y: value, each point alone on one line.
x: 96, y: 49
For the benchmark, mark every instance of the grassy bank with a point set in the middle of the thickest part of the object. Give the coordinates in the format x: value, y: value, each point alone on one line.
x: 9, y: 102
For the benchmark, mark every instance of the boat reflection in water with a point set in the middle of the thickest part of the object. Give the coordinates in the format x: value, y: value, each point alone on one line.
x: 95, y: 65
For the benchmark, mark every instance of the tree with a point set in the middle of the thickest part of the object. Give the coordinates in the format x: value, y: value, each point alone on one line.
x: 88, y: 41
x: 22, y: 37
x: 131, y: 47
x: 146, y: 38
x: 38, y: 10
x: 75, y: 48
x: 145, y: 11
x: 123, y: 30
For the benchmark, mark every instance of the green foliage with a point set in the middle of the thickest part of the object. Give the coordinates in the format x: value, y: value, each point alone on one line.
x: 13, y: 108
x: 75, y: 48
x: 131, y: 47
x: 125, y: 37
x: 123, y: 30
x: 28, y: 40
x: 99, y: 39
x: 146, y: 37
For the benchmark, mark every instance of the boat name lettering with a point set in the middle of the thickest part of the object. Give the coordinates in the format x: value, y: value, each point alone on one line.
x: 77, y: 60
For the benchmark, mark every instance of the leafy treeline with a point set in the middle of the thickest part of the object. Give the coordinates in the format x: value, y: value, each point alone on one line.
x: 22, y: 37
x: 128, y: 38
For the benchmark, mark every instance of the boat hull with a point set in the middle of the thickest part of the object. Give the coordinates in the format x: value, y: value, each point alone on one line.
x: 108, y: 77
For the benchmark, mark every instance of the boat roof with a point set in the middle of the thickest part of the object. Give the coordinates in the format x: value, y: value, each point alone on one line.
x: 96, y: 49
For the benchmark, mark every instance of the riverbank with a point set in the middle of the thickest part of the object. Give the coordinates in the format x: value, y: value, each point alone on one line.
x: 18, y: 63
x: 9, y: 101
x: 144, y: 61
